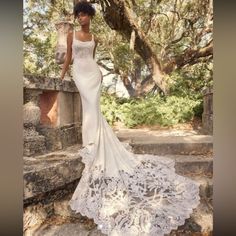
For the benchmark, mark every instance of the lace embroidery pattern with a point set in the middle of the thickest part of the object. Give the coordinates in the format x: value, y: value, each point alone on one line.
x: 82, y: 52
x: 82, y: 49
x: 153, y: 200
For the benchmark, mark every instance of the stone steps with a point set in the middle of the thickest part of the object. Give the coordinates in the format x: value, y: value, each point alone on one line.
x: 168, y: 148
x: 205, y: 185
x: 51, y: 171
x: 193, y: 164
x: 46, y: 178
x: 168, y: 145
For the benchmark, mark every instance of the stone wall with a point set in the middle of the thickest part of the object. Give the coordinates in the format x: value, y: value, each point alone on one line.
x: 52, y: 114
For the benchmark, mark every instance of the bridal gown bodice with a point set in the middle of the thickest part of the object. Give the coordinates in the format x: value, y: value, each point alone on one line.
x: 87, y: 77
x: 125, y: 193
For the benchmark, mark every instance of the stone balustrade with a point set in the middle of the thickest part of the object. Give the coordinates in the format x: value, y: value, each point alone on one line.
x: 52, y: 114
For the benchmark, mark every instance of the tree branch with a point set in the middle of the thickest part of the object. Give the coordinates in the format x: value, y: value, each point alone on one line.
x: 189, y: 56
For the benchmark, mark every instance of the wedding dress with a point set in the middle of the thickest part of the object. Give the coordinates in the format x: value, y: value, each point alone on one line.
x: 126, y: 194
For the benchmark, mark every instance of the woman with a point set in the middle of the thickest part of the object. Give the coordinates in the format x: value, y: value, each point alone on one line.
x: 125, y: 193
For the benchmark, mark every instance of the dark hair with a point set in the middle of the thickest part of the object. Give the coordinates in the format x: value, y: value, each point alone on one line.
x: 85, y: 7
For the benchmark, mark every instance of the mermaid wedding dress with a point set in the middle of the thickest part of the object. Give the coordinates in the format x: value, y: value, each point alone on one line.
x: 126, y: 194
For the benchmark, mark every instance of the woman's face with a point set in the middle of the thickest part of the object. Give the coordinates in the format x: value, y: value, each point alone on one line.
x: 83, y: 18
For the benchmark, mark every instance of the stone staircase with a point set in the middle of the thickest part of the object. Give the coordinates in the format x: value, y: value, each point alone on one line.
x: 50, y: 179
x: 193, y: 155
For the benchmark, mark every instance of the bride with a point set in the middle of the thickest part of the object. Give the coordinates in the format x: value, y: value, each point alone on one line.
x: 126, y: 194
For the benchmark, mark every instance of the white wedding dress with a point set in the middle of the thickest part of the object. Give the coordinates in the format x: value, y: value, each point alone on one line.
x: 126, y: 194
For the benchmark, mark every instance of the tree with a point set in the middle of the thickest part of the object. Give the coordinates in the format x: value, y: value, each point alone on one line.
x: 168, y: 34
x: 143, y: 41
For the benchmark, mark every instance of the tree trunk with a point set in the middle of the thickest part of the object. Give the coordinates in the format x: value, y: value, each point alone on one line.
x: 127, y: 85
x: 119, y: 17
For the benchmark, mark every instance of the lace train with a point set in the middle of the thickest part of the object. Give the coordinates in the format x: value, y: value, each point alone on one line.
x: 153, y: 200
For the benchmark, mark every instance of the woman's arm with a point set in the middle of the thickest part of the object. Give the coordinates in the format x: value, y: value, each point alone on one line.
x: 68, y: 55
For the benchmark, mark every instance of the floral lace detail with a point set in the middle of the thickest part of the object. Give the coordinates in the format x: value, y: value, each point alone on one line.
x: 153, y: 200
x: 82, y: 49
x: 82, y: 52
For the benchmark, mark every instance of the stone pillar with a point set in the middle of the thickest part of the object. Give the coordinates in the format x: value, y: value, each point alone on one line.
x: 63, y: 27
x: 207, y: 116
x: 33, y: 142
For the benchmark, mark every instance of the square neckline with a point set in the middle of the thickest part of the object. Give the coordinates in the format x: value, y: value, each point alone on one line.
x: 81, y: 40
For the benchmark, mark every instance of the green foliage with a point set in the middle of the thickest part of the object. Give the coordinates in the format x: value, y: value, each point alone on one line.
x: 183, y: 104
x: 169, y: 28
x: 123, y: 57
x: 40, y: 36
x: 109, y: 106
x: 151, y: 110
x: 191, y: 81
x: 41, y: 61
x: 162, y: 22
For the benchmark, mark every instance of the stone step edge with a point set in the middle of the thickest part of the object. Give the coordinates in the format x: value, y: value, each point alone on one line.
x: 165, y: 139
x: 205, y: 185
x: 207, y: 164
